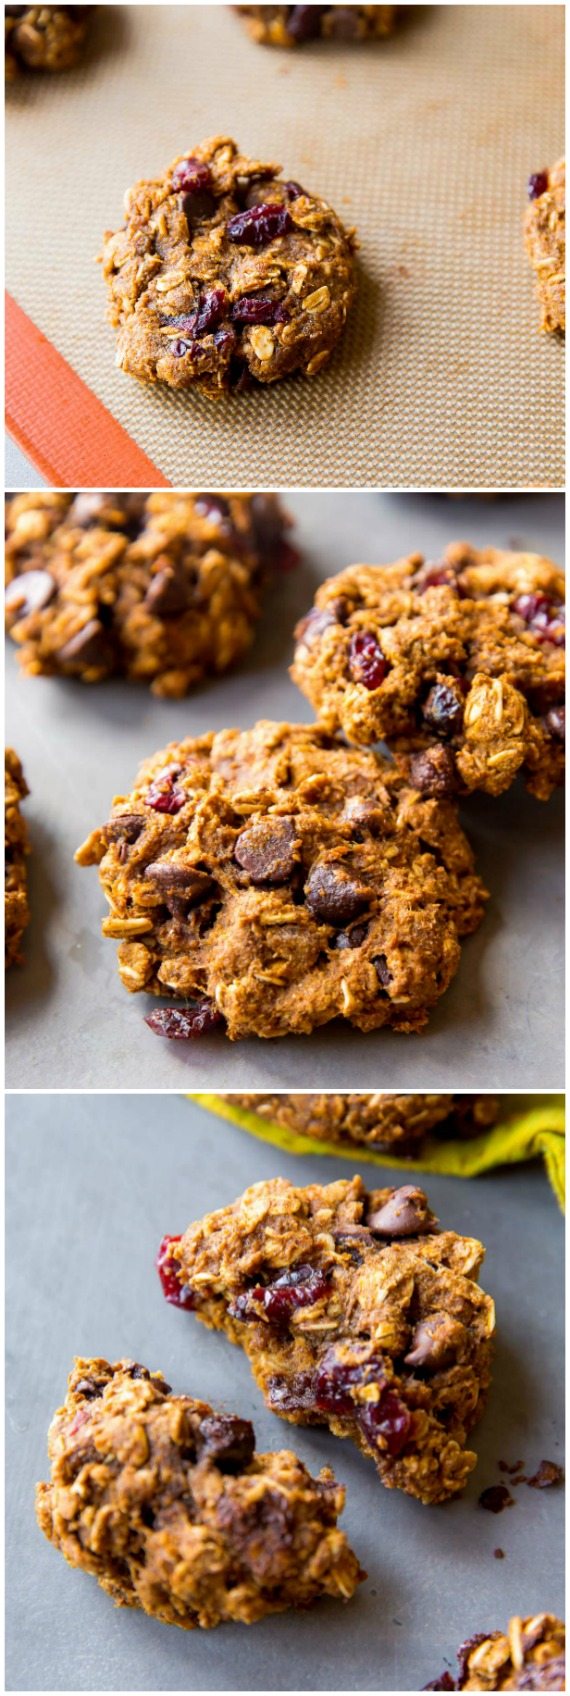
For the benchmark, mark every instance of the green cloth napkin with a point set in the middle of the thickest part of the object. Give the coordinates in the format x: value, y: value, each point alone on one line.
x: 523, y: 1134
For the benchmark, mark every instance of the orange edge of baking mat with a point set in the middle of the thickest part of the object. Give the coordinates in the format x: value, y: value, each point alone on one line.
x: 53, y: 416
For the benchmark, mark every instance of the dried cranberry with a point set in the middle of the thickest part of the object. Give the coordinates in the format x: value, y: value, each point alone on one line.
x: 259, y: 309
x: 180, y: 1024
x: 366, y: 662
x: 555, y: 722
x: 387, y: 1418
x: 211, y: 309
x: 537, y: 184
x: 163, y: 795
x: 191, y: 174
x: 175, y: 1292
x: 435, y: 577
x: 299, y: 1286
x: 225, y: 339
x: 529, y: 605
x: 544, y: 618
x: 259, y: 224
x: 443, y: 710
x: 334, y: 1384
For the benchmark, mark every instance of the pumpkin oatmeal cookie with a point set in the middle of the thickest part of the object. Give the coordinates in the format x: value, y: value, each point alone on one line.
x: 16, y: 910
x: 278, y: 880
x: 44, y: 38
x: 458, y: 663
x: 545, y: 237
x: 397, y: 1123
x: 223, y: 273
x: 163, y: 588
x: 531, y: 1655
x: 168, y: 1505
x: 356, y: 1311
x: 290, y: 26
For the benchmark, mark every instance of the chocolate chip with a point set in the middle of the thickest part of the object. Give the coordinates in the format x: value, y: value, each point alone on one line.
x: 227, y: 1441
x: 169, y: 590
x: 382, y: 970
x: 170, y: 875
x: 435, y: 1342
x: 29, y: 592
x: 352, y: 938
x: 89, y: 646
x: 405, y: 1214
x: 434, y: 773
x: 267, y: 851
x: 87, y: 508
x: 88, y: 1388
x: 312, y: 627
x: 333, y: 896
x: 126, y: 825
x: 343, y: 23
x: 365, y: 815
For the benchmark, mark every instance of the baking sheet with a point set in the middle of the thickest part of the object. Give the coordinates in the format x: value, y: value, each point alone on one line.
x: 92, y: 1185
x: 423, y: 142
x: 70, y: 1023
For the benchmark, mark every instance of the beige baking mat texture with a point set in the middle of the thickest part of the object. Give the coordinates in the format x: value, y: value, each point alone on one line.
x: 424, y: 143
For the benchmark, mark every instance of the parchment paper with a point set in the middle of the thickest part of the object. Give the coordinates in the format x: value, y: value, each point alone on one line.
x: 423, y: 142
x: 71, y: 1024
x: 92, y: 1186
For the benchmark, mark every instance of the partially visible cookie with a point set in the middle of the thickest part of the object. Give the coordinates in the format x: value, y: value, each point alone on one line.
x: 398, y: 1124
x: 531, y: 1655
x: 16, y: 910
x: 545, y: 237
x: 44, y: 38
x: 290, y: 26
x: 167, y: 1504
x: 276, y: 880
x: 164, y: 589
x: 223, y: 273
x: 458, y: 663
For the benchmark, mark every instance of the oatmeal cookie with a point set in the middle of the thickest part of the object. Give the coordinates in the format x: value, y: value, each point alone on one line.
x: 161, y: 588
x: 290, y: 26
x: 166, y: 1502
x: 44, y: 38
x: 16, y: 910
x: 356, y: 1311
x: 222, y: 273
x: 279, y: 880
x: 545, y: 238
x: 461, y: 662
x: 397, y: 1123
x: 530, y: 1656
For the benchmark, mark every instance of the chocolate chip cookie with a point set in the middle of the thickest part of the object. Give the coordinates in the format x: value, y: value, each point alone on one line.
x: 278, y: 880
x: 163, y: 588
x: 290, y: 26
x: 458, y: 663
x: 531, y: 1655
x: 397, y: 1123
x: 545, y: 238
x: 222, y: 273
x: 166, y: 1502
x: 44, y: 38
x: 16, y: 910
x: 355, y: 1311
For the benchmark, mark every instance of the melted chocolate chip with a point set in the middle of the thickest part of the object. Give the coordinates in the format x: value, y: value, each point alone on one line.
x: 29, y: 592
x: 333, y: 896
x: 267, y: 851
x: 405, y: 1214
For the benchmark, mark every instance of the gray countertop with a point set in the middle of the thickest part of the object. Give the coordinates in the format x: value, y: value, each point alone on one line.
x: 92, y: 1184
x: 70, y: 1023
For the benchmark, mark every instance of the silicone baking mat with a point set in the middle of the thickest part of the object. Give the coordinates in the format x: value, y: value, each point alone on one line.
x: 70, y: 1023
x: 92, y: 1184
x: 423, y: 142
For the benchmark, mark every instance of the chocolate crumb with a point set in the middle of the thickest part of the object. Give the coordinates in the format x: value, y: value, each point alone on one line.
x: 510, y: 1466
x: 495, y: 1498
x: 499, y: 1554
